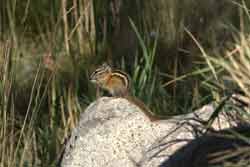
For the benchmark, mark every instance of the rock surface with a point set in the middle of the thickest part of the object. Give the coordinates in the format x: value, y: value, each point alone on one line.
x: 113, y: 132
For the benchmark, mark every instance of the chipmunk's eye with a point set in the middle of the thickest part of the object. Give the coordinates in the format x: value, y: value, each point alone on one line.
x: 97, y: 73
x: 94, y: 74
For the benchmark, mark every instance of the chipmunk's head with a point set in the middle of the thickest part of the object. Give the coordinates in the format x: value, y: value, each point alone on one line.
x: 101, y: 74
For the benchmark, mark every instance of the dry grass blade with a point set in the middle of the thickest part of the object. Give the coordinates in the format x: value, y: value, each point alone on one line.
x: 237, y: 64
x: 66, y: 26
x: 224, y: 155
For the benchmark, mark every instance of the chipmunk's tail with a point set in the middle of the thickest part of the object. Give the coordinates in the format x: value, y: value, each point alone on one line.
x: 143, y: 107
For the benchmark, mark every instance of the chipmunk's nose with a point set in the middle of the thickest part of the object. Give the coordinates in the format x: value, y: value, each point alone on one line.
x: 93, y: 80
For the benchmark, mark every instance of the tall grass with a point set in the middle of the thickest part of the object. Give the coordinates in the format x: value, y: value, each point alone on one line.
x: 229, y: 71
x: 32, y: 133
x: 146, y: 80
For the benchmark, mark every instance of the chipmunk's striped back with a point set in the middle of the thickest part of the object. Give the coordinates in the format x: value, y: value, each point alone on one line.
x: 123, y: 76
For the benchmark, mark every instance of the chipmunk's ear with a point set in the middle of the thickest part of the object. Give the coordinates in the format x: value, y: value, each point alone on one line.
x: 105, y: 64
x: 106, y: 67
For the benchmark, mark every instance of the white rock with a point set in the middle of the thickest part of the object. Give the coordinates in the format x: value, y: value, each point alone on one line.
x: 112, y: 132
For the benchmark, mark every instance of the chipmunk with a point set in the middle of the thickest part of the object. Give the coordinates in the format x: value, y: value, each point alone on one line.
x: 118, y: 83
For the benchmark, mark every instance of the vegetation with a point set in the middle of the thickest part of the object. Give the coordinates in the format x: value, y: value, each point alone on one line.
x: 185, y: 54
